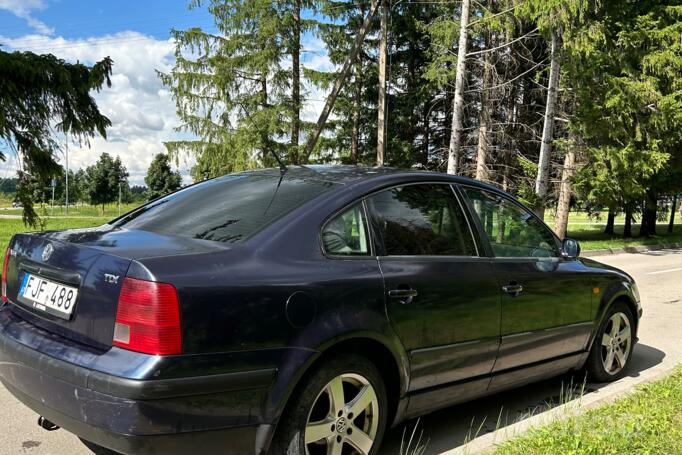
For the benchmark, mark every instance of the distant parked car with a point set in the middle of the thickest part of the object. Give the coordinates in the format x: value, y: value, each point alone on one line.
x: 300, y: 312
x: 17, y: 204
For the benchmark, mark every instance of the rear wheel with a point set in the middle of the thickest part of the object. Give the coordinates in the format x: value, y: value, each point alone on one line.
x: 340, y: 410
x: 612, y: 348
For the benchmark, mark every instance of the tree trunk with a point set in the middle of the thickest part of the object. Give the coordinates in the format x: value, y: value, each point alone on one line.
x: 383, y: 57
x: 355, y: 116
x: 649, y: 215
x: 610, y: 222
x: 483, y: 148
x: 542, y: 181
x: 296, y: 84
x: 563, y: 207
x: 454, y: 150
x: 427, y: 134
x: 509, y: 132
x: 673, y: 209
x: 627, y: 229
x: 264, y: 135
x: 340, y: 79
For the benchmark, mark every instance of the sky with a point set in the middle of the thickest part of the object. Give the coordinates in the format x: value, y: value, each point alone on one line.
x: 136, y: 35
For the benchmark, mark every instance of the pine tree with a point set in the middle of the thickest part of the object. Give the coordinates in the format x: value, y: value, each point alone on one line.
x: 625, y: 67
x: 234, y: 90
x: 351, y: 134
x: 41, y: 95
x: 160, y: 178
x: 104, y: 179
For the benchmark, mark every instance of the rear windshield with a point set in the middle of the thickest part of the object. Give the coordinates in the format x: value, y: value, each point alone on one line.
x: 228, y: 209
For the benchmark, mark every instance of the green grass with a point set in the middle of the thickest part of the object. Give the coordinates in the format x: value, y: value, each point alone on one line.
x: 647, y: 422
x: 110, y: 211
x: 584, y: 217
x: 593, y: 237
x: 9, y: 227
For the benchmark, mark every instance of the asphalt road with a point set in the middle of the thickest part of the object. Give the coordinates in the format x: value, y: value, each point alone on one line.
x: 659, y: 275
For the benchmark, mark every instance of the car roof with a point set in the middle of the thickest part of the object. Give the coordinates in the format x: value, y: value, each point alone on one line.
x: 348, y: 174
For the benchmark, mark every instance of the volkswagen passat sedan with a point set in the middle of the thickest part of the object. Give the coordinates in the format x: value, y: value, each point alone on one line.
x: 299, y: 312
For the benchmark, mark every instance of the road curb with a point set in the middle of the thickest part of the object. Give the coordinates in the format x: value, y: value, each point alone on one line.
x: 630, y: 249
x: 579, y: 406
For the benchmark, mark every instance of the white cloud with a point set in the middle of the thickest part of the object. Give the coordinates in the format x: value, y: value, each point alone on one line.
x: 139, y: 106
x: 23, y: 8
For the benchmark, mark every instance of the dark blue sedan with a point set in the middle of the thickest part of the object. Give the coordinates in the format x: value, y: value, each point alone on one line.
x: 300, y: 312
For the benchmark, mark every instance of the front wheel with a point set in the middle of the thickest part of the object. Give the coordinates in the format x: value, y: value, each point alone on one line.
x: 340, y: 410
x: 612, y: 347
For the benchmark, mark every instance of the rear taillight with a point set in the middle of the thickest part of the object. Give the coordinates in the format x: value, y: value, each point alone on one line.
x: 5, y: 267
x: 148, y: 318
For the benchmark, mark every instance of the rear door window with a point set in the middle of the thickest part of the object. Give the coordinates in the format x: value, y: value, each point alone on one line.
x: 422, y: 220
x: 346, y: 233
x: 228, y: 209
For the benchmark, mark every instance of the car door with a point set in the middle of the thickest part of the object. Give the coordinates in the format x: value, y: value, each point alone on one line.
x: 546, y: 298
x: 442, y: 296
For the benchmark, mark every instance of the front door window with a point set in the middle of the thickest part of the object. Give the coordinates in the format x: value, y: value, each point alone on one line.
x: 511, y: 230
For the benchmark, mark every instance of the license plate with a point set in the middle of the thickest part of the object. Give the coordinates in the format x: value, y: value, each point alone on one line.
x: 48, y: 296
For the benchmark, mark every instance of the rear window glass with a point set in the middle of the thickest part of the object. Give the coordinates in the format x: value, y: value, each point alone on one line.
x: 228, y: 209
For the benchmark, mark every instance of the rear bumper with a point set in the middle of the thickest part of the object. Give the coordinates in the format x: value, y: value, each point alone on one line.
x: 219, y: 413
x: 239, y: 440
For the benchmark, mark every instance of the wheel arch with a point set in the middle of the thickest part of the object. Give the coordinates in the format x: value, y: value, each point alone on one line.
x: 388, y: 356
x: 619, y: 295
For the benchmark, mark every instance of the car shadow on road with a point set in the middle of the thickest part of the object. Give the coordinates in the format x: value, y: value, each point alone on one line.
x: 452, y: 427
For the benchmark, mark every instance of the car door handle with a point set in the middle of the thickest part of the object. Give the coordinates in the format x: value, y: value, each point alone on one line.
x: 404, y: 295
x: 513, y: 289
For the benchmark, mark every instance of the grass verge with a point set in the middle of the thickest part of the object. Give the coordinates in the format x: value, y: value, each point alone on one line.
x: 647, y: 422
x: 593, y: 238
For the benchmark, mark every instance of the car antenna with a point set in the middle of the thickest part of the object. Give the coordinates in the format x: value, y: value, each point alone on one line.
x: 282, y: 166
x: 282, y: 170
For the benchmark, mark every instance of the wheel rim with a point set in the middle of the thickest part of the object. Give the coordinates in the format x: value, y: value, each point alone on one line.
x: 344, y: 418
x: 615, y: 343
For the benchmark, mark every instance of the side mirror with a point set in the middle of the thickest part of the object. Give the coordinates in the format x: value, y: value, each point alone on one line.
x: 570, y: 249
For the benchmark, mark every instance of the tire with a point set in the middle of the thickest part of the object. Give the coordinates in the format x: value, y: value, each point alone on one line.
x: 312, y: 411
x: 602, y: 366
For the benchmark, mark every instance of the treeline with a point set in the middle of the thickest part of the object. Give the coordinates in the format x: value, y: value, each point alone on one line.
x: 99, y: 184
x: 564, y: 103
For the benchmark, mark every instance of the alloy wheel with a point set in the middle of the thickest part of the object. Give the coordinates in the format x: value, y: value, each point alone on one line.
x: 615, y: 344
x: 344, y: 418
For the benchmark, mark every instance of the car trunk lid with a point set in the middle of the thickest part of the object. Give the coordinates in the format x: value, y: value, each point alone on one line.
x: 92, y: 261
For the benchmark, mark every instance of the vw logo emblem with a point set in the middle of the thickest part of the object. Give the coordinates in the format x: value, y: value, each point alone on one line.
x: 47, y: 252
x: 341, y: 425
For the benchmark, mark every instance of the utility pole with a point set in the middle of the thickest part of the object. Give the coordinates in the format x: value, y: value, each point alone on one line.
x: 383, y: 57
x: 119, y: 198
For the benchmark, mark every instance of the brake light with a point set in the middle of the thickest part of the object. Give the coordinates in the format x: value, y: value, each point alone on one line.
x: 5, y: 267
x: 148, y: 318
